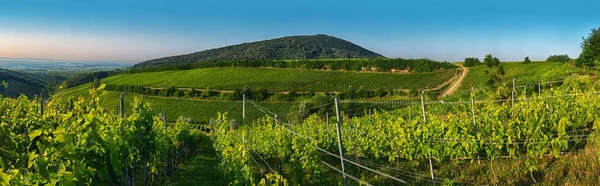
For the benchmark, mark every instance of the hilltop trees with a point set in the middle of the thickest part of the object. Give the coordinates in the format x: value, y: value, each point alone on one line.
x: 527, y: 61
x: 369, y: 64
x: 472, y: 61
x: 496, y: 71
x: 590, y: 54
x: 491, y: 61
x: 558, y: 58
x: 292, y: 47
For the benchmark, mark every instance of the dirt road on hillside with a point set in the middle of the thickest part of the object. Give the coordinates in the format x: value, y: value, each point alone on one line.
x: 457, y: 83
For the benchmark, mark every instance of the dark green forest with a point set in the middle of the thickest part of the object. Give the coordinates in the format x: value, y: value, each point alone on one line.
x: 366, y: 64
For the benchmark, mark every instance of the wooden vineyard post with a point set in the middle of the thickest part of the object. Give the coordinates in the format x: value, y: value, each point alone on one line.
x: 164, y: 114
x: 279, y: 168
x: 409, y: 112
x: 513, y: 92
x: 243, y: 106
x: 122, y: 103
x: 127, y: 183
x: 42, y: 103
x: 145, y: 172
x: 169, y: 159
x: 133, y: 175
x: 339, y: 136
x: 474, y: 120
x: 525, y: 92
x: 26, y: 135
x: 327, y: 118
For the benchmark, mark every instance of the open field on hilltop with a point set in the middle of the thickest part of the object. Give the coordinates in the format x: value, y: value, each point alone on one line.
x: 523, y: 73
x: 198, y: 111
x: 281, y: 79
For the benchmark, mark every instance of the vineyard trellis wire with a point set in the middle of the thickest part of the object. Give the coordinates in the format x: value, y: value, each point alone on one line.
x: 354, y: 162
x: 329, y: 153
x: 369, y: 107
x: 363, y: 108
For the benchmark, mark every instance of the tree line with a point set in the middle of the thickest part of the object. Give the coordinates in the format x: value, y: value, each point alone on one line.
x: 89, y: 77
x: 473, y: 61
x: 365, y: 64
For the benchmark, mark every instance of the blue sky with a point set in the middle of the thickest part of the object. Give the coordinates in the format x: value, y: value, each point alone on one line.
x: 436, y: 29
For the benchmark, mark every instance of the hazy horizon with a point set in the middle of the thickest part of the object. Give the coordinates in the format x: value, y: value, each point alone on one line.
x: 435, y: 29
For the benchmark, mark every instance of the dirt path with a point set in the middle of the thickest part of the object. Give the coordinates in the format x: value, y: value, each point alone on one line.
x: 457, y: 83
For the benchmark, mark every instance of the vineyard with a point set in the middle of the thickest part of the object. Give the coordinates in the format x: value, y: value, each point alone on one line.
x: 484, y: 135
x: 196, y: 110
x: 78, y: 142
x: 524, y: 73
x: 385, y: 148
x: 217, y: 93
x: 282, y: 79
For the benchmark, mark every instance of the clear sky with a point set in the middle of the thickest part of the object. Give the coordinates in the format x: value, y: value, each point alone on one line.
x: 438, y: 29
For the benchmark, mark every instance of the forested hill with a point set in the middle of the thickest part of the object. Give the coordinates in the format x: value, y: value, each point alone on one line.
x: 292, y: 47
x: 24, y: 83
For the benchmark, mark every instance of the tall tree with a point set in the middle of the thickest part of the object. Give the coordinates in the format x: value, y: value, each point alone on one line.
x: 472, y: 61
x: 491, y: 61
x: 527, y: 61
x: 495, y: 61
x: 488, y: 60
x: 590, y: 49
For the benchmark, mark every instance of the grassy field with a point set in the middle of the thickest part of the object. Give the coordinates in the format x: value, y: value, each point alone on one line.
x: 197, y: 110
x: 281, y: 79
x: 523, y: 73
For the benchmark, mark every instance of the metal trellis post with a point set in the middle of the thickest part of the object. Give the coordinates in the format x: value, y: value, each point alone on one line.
x: 425, y: 121
x: 339, y: 135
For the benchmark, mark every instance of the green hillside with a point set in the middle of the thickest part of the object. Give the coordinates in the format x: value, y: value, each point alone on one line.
x: 292, y: 47
x: 282, y: 79
x: 523, y: 73
x: 271, y: 79
x: 197, y: 110
x: 28, y: 84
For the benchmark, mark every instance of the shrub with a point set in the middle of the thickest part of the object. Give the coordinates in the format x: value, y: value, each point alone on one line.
x: 471, y: 61
x: 558, y: 58
x: 527, y: 61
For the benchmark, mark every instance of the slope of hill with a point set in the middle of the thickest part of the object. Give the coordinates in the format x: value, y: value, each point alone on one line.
x: 292, y: 47
x: 230, y: 78
x: 523, y: 73
x: 22, y: 83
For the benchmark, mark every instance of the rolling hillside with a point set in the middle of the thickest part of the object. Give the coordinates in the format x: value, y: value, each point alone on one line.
x: 28, y: 84
x: 523, y: 73
x: 271, y: 79
x: 197, y: 110
x: 282, y: 79
x: 292, y: 47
